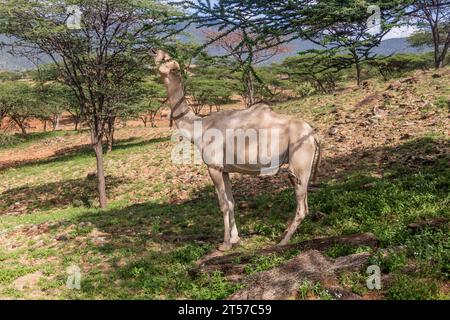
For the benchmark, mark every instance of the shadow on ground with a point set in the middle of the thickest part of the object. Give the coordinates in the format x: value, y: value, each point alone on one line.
x: 157, y: 242
x: 82, y: 151
x: 55, y: 195
x: 146, y: 250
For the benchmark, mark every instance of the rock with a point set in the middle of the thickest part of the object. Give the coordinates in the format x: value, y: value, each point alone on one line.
x: 85, y: 224
x: 429, y: 223
x: 374, y: 120
x: 368, y: 186
x: 410, y: 80
x: 318, y: 216
x: 99, y: 238
x: 62, y: 237
x: 91, y: 176
x: 406, y: 136
x: 281, y: 283
x: 394, y: 86
x: 244, y: 205
x: 333, y: 131
x: 27, y: 281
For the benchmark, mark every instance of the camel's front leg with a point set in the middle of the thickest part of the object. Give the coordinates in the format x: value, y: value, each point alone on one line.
x: 221, y: 182
x: 235, y: 239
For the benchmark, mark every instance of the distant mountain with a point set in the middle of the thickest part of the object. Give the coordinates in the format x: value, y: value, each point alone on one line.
x: 387, y: 47
x: 398, y: 45
x: 9, y: 62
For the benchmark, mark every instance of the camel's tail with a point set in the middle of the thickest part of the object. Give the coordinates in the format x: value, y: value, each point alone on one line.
x: 318, y: 152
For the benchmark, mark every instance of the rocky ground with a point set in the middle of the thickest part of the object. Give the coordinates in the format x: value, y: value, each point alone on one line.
x: 385, y: 171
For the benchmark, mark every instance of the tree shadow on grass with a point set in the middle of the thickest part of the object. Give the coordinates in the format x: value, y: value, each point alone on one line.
x: 82, y: 151
x: 55, y: 195
x: 155, y: 244
x: 17, y: 140
x: 150, y: 247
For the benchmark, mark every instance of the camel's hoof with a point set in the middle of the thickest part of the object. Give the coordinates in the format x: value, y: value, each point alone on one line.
x: 282, y: 243
x: 236, y: 241
x: 225, y: 247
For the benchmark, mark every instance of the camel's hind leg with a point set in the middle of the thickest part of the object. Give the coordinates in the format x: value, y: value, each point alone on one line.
x: 300, y: 166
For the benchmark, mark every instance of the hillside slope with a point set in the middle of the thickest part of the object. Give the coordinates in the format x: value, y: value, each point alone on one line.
x: 385, y: 171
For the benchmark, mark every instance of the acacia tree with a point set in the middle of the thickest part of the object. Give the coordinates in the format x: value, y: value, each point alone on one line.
x: 313, y: 69
x: 3, y: 112
x: 144, y: 101
x: 50, y: 95
x: 210, y: 93
x: 432, y: 17
x: 247, y: 51
x: 19, y: 101
x: 112, y: 41
x: 340, y: 26
x: 399, y: 64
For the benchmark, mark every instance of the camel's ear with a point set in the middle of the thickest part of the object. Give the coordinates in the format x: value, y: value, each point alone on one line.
x: 160, y: 56
x: 153, y: 52
x: 190, y: 68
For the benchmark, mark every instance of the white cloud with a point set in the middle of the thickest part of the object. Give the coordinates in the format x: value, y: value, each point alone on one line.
x: 400, y: 32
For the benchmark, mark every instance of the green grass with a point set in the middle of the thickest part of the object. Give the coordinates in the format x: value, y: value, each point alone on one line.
x: 308, y: 290
x: 16, y: 141
x: 141, y: 260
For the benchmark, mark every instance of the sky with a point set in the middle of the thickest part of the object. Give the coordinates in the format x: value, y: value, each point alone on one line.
x: 400, y: 32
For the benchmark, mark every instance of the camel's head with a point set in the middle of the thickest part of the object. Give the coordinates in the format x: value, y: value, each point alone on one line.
x: 164, y: 62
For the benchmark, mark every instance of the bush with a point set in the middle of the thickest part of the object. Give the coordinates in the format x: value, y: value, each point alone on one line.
x: 305, y: 89
x: 409, y: 288
x: 400, y: 64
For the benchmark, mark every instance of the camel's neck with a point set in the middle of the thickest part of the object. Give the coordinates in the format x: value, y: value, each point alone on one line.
x: 182, y: 114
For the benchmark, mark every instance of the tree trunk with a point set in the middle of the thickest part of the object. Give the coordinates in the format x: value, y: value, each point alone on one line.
x: 98, y: 149
x: 110, y: 133
x: 23, y: 129
x: 55, y: 122
x: 57, y: 118
x: 250, y: 90
x: 76, y: 124
x: 21, y: 124
x: 110, y: 139
x: 358, y: 73
x: 444, y: 52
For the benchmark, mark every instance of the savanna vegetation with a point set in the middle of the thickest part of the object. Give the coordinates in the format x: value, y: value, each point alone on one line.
x: 87, y: 180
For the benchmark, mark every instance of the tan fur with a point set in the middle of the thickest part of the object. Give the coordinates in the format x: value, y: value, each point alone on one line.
x: 297, y: 146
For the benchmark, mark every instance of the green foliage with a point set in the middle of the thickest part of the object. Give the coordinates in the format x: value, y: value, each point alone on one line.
x: 400, y: 64
x: 345, y: 250
x: 443, y: 102
x: 355, y: 281
x: 208, y: 92
x: 406, y: 287
x: 9, y: 76
x: 20, y: 101
x: 211, y: 83
x: 263, y: 263
x: 305, y: 89
x: 308, y: 290
x: 313, y: 69
x: 425, y: 38
x: 432, y: 249
x: 8, y: 275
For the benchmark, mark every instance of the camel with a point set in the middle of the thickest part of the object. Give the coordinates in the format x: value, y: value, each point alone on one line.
x: 296, y: 146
